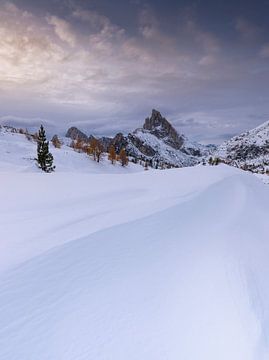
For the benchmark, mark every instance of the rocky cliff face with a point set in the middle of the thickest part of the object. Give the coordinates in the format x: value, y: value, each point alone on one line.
x: 74, y: 134
x: 249, y: 150
x: 162, y: 129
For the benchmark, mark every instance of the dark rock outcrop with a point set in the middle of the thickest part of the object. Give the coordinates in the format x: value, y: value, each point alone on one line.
x: 162, y: 129
x: 106, y: 142
x: 119, y: 142
x: 141, y: 145
x: 74, y: 134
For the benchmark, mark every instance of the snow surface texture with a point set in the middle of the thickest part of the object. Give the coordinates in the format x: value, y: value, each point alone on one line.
x: 264, y: 178
x: 132, y: 264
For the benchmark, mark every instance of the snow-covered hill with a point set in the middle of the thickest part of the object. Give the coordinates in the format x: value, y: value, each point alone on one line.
x: 100, y: 262
x: 249, y: 150
x: 18, y: 154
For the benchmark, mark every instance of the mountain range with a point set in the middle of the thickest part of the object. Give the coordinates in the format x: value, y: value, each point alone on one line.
x: 157, y: 141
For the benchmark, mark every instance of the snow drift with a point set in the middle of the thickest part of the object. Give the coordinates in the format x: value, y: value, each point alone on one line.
x: 133, y: 265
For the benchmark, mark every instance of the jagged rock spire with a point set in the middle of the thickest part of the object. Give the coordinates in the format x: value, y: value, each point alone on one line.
x: 162, y: 129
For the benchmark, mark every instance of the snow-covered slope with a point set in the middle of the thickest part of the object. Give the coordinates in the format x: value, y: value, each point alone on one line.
x: 163, y: 153
x: 18, y: 154
x: 249, y: 150
x: 158, y: 141
x: 141, y: 265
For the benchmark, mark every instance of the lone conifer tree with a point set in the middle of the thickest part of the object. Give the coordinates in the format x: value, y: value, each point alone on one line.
x: 44, y: 157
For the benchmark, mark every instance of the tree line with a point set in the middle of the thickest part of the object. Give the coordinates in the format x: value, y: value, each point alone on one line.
x: 93, y: 148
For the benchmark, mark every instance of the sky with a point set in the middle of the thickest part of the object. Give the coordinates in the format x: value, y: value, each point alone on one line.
x: 103, y: 65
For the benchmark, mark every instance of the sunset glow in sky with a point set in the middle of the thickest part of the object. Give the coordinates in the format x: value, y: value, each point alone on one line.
x: 103, y: 65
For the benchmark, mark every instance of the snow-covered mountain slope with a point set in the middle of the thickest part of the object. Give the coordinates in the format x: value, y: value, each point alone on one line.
x: 18, y: 153
x: 144, y: 144
x: 141, y: 265
x: 159, y: 142
x: 249, y: 150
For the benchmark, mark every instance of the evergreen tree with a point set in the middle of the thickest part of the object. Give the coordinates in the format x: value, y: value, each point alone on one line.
x: 44, y: 157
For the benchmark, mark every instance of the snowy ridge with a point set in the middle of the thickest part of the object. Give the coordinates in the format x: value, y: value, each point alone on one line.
x: 163, y: 152
x: 249, y: 150
x: 194, y: 148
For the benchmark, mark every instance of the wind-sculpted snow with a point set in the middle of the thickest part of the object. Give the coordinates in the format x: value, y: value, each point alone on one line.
x: 147, y: 265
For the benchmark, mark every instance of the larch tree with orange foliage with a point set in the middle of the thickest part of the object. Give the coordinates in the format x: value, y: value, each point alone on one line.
x: 112, y: 156
x: 95, y: 149
x: 123, y: 158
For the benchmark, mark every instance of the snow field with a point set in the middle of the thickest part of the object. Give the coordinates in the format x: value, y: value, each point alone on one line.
x: 105, y: 263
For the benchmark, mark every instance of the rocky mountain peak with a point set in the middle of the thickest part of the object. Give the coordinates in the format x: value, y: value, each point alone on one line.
x: 157, y: 122
x: 162, y: 129
x: 74, y: 134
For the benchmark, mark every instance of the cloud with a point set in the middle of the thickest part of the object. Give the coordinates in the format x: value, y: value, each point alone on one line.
x: 204, y: 44
x: 149, y: 24
x: 107, y: 66
x: 89, y: 69
x: 197, y: 119
x: 27, y: 53
x: 247, y: 30
x: 259, y: 117
x: 32, y: 124
x: 62, y: 29
x: 10, y: 7
x: 99, y: 25
x: 205, y: 40
x: 264, y: 52
x: 207, y: 60
x: 151, y: 31
x: 96, y: 20
x: 189, y: 122
x: 208, y: 41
